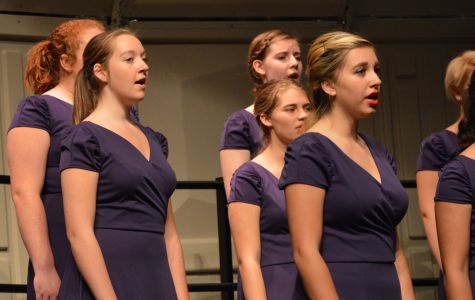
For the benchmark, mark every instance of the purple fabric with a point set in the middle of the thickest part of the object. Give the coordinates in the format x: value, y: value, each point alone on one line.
x: 241, y: 131
x: 360, y: 214
x: 365, y: 281
x: 436, y: 150
x: 55, y: 117
x: 253, y: 184
x: 131, y: 211
x: 456, y: 184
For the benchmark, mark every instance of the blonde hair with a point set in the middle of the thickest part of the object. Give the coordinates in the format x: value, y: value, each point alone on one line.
x: 259, y: 46
x: 324, y: 59
x: 88, y: 86
x: 458, y: 74
x: 266, y: 99
x: 43, y: 67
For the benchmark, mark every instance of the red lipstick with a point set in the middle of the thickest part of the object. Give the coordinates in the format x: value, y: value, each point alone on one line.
x: 373, y: 99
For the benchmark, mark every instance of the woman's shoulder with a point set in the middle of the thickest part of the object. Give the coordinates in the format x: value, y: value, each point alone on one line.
x: 241, y: 115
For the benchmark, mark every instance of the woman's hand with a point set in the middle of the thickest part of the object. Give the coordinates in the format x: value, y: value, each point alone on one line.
x: 46, y: 283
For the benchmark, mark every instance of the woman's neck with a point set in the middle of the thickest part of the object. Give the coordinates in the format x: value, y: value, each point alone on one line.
x: 337, y: 123
x: 276, y: 149
x: 111, y: 109
x: 64, y: 90
x: 272, y: 157
x: 454, y: 127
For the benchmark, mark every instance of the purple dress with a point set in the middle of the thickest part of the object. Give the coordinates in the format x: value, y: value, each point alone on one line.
x: 360, y: 214
x: 241, y: 131
x: 55, y: 117
x: 436, y: 151
x: 456, y: 185
x: 131, y: 211
x: 253, y: 184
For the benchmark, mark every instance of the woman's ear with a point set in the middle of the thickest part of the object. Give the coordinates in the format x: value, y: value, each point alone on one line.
x: 258, y: 67
x: 455, y: 94
x: 101, y: 73
x: 265, y: 120
x: 329, y: 88
x: 66, y: 63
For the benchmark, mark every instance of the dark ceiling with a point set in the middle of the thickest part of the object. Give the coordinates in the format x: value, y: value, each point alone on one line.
x: 212, y: 20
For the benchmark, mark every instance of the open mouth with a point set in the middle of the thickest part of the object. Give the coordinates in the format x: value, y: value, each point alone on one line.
x: 373, y: 99
x: 294, y: 76
x: 141, y: 81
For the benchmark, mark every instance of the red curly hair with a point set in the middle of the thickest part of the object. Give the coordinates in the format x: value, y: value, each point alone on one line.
x: 43, y: 68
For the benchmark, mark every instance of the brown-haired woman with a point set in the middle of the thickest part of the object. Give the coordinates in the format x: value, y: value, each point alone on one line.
x: 33, y: 149
x: 454, y: 208
x: 257, y: 212
x: 272, y: 55
x: 343, y: 197
x: 116, y: 183
x: 439, y: 148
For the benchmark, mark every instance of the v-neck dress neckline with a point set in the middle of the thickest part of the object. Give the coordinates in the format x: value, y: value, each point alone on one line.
x: 373, y: 156
x: 127, y: 141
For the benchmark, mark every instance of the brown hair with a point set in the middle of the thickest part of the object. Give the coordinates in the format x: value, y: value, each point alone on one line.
x: 459, y: 71
x: 259, y: 46
x: 325, y: 57
x: 266, y: 99
x: 88, y: 86
x: 43, y: 68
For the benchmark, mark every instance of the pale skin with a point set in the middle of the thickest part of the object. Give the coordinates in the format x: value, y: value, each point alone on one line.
x: 27, y: 150
x: 285, y: 123
x: 355, y: 80
x: 282, y: 60
x: 126, y: 65
x: 453, y: 229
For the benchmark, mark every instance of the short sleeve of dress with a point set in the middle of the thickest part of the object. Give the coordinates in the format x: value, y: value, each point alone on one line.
x: 236, y: 133
x: 433, y: 154
x: 81, y: 150
x: 391, y: 161
x: 163, y: 142
x: 246, y: 186
x: 308, y: 162
x: 454, y: 184
x: 32, y: 112
x: 380, y: 150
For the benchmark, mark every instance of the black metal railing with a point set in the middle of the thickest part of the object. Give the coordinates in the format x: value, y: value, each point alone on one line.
x: 226, y: 285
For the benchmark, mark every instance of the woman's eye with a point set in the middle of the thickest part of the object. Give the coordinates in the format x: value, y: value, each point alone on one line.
x: 129, y: 59
x: 297, y: 57
x: 360, y: 71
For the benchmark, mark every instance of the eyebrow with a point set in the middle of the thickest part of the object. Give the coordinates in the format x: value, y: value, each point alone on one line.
x: 132, y: 52
x: 365, y: 64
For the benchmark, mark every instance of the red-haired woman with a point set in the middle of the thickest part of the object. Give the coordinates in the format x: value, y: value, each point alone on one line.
x: 33, y: 149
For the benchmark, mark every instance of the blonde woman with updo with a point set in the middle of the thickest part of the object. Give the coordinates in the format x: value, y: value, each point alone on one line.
x: 257, y: 212
x: 439, y: 148
x: 272, y: 55
x: 34, y: 137
x: 344, y: 199
x: 454, y: 207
